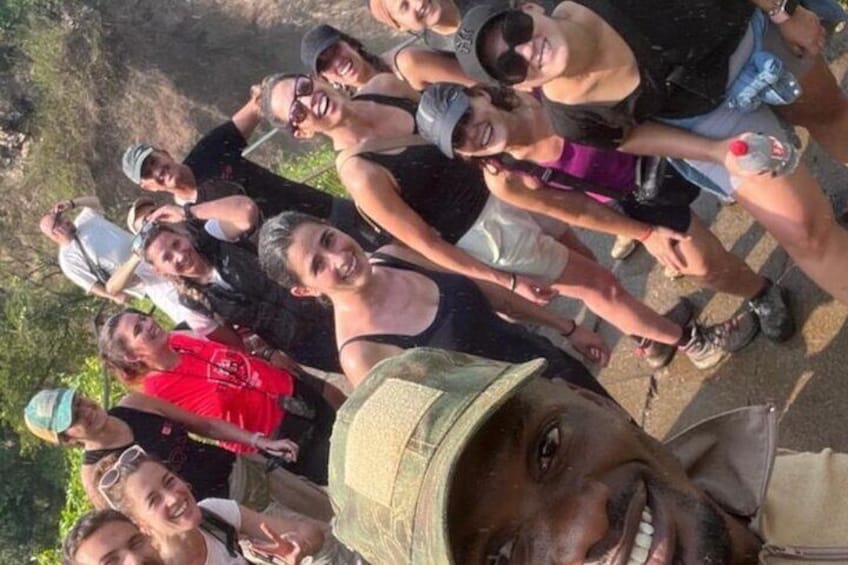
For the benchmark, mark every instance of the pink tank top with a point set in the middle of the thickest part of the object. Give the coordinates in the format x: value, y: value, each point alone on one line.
x: 610, y: 168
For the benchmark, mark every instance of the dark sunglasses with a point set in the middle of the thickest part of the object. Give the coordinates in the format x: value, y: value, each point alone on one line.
x: 298, y: 111
x: 459, y: 136
x: 111, y: 477
x: 516, y: 28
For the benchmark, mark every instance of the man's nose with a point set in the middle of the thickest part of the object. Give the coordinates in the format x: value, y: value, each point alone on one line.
x: 566, y: 531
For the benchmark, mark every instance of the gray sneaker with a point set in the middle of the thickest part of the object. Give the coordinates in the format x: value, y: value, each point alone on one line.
x: 734, y: 333
x: 773, y: 312
x: 657, y: 355
x: 700, y: 350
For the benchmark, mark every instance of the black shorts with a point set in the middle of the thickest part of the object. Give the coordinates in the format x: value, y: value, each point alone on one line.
x: 672, y: 206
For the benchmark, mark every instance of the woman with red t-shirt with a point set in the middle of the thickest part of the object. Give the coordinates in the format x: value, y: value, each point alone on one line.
x: 217, y: 381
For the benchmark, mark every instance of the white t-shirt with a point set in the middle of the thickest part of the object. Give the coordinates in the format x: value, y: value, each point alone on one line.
x: 105, y: 243
x: 227, y: 510
x: 163, y: 293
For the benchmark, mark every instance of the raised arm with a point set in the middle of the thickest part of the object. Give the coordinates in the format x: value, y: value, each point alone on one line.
x: 287, y: 538
x: 211, y: 428
x: 248, y: 117
x: 236, y: 215
x: 376, y: 193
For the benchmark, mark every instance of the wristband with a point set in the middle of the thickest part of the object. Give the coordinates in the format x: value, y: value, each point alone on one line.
x: 512, y: 282
x: 187, y: 211
x: 571, y: 331
x: 647, y: 234
x: 254, y: 439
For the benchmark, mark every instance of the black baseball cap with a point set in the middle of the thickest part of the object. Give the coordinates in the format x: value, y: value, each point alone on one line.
x: 442, y: 106
x: 466, y: 39
x: 315, y: 42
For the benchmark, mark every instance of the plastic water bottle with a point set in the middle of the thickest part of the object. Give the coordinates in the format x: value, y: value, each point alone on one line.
x: 758, y: 153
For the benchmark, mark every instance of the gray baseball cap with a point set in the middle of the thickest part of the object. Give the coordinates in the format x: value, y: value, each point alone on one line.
x: 134, y: 158
x: 467, y: 37
x: 442, y: 106
x: 315, y: 42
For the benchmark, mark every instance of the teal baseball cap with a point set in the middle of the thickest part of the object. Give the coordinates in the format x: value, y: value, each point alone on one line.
x: 50, y: 412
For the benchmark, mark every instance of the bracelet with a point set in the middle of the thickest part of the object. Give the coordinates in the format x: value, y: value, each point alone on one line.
x: 571, y: 331
x: 254, y: 439
x: 647, y: 234
x: 187, y: 211
x: 72, y: 203
x: 512, y: 282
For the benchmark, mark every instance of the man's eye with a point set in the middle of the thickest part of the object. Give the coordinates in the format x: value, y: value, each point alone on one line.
x: 503, y: 555
x: 136, y: 330
x: 136, y: 542
x: 548, y: 448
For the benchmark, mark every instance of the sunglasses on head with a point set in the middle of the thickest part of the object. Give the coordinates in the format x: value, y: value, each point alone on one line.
x: 147, y: 232
x: 112, y: 475
x: 298, y: 111
x: 516, y: 28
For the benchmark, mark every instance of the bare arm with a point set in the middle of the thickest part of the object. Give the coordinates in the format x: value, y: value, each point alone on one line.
x: 358, y: 357
x: 211, y: 428
x: 97, y: 289
x: 248, y: 117
x: 376, y: 193
x: 422, y: 67
x: 236, y: 214
x: 653, y: 138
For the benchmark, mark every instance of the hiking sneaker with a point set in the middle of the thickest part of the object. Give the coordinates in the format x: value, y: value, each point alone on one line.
x: 734, y: 333
x: 657, y: 355
x: 702, y: 352
x: 622, y: 247
x: 773, y: 312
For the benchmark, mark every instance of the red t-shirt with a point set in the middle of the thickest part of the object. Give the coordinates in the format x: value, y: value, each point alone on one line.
x: 216, y: 381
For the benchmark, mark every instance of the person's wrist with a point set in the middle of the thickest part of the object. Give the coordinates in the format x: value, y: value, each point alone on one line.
x: 187, y: 211
x: 255, y: 439
x: 570, y: 331
x: 72, y: 204
x: 646, y: 234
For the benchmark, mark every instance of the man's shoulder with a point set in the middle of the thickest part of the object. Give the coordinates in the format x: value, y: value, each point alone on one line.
x: 224, y: 141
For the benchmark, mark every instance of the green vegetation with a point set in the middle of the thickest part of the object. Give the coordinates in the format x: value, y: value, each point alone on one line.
x: 316, y: 168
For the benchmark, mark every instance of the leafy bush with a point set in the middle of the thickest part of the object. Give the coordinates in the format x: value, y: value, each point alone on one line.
x: 315, y: 168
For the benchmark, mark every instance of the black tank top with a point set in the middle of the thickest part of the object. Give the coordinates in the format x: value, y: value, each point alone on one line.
x: 448, y: 194
x: 466, y: 322
x: 204, y: 466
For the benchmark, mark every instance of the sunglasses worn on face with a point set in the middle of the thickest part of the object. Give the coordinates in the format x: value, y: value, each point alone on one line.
x: 112, y: 475
x: 516, y: 28
x: 298, y: 111
x: 459, y: 136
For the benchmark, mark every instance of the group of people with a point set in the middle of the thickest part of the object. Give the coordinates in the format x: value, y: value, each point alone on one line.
x: 458, y: 433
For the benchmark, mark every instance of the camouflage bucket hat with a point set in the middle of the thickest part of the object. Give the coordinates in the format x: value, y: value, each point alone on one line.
x: 396, y: 442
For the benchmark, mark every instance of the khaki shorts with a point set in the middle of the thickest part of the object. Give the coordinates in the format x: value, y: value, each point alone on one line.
x: 251, y: 486
x: 513, y: 240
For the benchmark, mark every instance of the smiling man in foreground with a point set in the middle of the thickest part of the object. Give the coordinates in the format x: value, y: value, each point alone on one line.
x: 441, y: 458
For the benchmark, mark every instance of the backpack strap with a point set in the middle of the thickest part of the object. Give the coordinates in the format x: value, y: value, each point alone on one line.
x: 378, y: 146
x: 556, y: 177
x: 222, y: 531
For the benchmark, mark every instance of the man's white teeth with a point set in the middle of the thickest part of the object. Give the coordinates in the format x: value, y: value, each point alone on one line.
x: 644, y: 539
x: 487, y: 135
x: 323, y: 106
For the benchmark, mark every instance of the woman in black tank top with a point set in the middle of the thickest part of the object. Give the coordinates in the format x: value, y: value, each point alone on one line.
x: 412, y: 192
x: 438, y: 309
x: 162, y: 429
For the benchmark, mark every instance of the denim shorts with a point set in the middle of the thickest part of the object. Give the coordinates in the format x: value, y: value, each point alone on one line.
x: 724, y: 121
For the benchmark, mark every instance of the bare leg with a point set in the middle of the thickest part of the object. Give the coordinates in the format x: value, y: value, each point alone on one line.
x: 822, y: 110
x: 604, y: 295
x: 712, y: 266
x: 796, y: 212
x: 570, y: 240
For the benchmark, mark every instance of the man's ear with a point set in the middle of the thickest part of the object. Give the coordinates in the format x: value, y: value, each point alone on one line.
x: 300, y: 291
